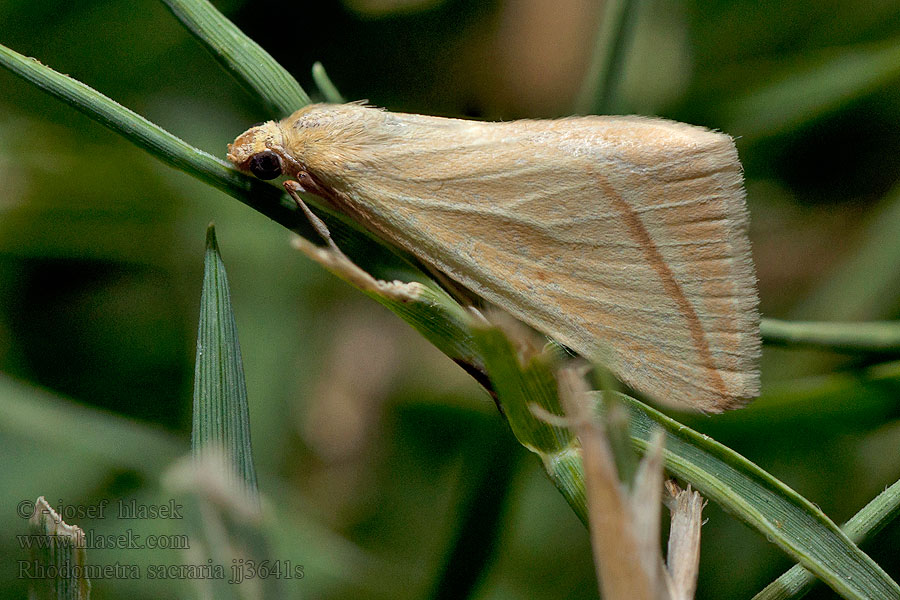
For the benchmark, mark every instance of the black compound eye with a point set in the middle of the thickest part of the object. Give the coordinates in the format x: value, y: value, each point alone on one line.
x: 265, y: 165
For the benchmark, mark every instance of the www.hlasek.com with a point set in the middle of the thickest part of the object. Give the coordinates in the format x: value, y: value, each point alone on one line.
x: 129, y: 540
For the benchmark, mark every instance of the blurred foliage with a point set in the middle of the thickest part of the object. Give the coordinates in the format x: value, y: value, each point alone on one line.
x: 368, y: 441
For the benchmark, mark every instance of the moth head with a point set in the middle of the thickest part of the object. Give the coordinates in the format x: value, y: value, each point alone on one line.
x: 259, y: 151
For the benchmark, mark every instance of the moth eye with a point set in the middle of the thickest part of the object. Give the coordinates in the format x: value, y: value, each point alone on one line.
x: 257, y: 124
x: 265, y: 165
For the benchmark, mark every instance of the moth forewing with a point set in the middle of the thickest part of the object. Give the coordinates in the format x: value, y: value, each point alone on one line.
x: 624, y: 238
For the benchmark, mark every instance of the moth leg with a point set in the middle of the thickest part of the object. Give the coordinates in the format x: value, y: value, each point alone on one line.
x: 294, y: 189
x: 331, y: 257
x: 308, y: 184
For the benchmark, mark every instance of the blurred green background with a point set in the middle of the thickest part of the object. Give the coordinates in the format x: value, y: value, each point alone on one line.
x: 370, y: 444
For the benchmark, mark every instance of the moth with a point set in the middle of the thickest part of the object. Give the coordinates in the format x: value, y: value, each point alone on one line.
x: 622, y: 237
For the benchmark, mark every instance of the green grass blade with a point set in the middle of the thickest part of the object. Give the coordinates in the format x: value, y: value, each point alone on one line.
x: 437, y: 316
x: 479, y: 527
x: 57, y: 557
x: 326, y: 87
x: 440, y: 319
x: 790, y: 521
x: 819, y: 401
x: 720, y: 474
x: 252, y: 66
x: 152, y: 138
x: 860, y: 287
x: 521, y: 383
x: 797, y: 581
x: 226, y: 526
x: 880, y: 337
x: 35, y: 414
x: 599, y: 87
x: 222, y: 465
x: 221, y: 417
x: 38, y: 428
x: 519, y: 388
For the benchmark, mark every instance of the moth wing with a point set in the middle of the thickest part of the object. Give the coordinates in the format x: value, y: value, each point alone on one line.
x: 624, y: 238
